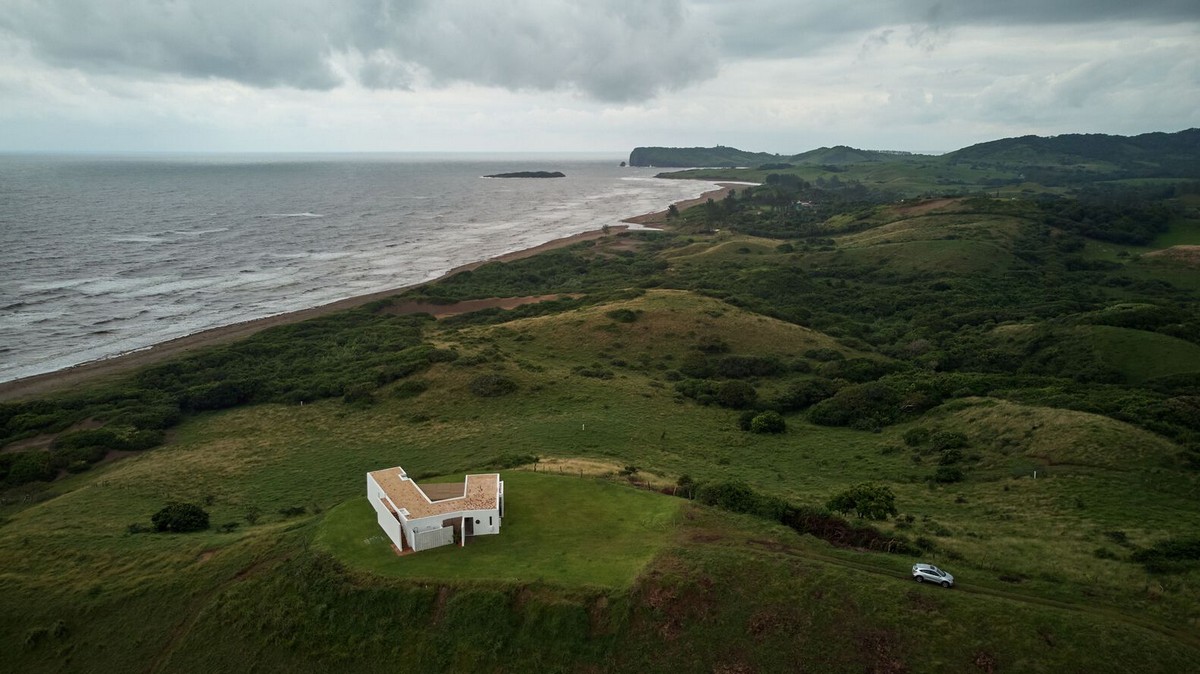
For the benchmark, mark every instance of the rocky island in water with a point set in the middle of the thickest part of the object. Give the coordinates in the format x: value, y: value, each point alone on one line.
x: 529, y: 174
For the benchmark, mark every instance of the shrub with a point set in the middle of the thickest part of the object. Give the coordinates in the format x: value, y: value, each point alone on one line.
x: 410, y: 388
x: 513, y: 460
x: 741, y: 367
x: 739, y: 497
x: 710, y: 344
x: 593, y: 372
x: 950, y: 457
x: 915, y: 437
x: 491, y: 385
x: 1173, y: 555
x: 745, y: 419
x: 824, y: 354
x: 736, y: 395
x: 30, y: 467
x: 804, y: 395
x: 872, y: 501
x: 180, y: 517
x: 623, y: 315
x: 1118, y: 537
x: 293, y: 511
x: 948, y: 474
x: 768, y: 422
x: 943, y: 440
x: 873, y: 404
x: 687, y: 486
x: 359, y: 394
x: 700, y: 390
x: 96, y: 437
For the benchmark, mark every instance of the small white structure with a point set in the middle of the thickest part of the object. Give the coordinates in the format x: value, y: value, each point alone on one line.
x: 440, y: 514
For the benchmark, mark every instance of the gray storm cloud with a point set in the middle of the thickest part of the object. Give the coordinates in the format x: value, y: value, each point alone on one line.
x: 787, y: 28
x: 609, y: 50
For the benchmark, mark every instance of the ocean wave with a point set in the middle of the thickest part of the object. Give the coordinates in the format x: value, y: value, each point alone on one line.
x: 305, y: 214
x: 141, y: 238
x: 199, y: 232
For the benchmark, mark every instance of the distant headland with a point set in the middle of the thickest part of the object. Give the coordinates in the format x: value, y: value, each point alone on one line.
x: 529, y: 174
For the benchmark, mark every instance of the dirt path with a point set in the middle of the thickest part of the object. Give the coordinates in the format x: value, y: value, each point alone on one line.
x: 1186, y: 637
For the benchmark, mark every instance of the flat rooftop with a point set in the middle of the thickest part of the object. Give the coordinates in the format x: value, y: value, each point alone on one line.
x: 478, y: 492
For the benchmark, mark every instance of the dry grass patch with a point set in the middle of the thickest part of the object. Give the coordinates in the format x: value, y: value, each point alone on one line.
x: 574, y: 466
x: 1188, y: 255
x: 669, y: 321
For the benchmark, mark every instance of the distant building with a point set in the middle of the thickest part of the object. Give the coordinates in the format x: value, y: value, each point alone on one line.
x: 416, y: 518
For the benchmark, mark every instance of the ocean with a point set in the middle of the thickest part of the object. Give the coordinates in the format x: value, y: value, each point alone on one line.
x: 103, y: 255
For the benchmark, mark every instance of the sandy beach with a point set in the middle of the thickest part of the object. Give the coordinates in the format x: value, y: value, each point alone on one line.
x: 110, y: 367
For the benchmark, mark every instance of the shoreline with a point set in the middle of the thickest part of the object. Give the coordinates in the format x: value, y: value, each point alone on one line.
x: 49, y: 382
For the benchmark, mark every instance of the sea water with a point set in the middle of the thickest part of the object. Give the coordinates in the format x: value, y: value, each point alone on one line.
x: 102, y: 255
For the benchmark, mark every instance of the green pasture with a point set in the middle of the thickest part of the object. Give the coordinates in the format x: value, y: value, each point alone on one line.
x: 1142, y: 355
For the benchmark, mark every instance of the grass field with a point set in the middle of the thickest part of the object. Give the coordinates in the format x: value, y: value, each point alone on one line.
x: 557, y: 529
x: 1142, y: 355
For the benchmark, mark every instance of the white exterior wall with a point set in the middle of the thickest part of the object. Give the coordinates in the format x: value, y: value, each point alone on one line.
x: 432, y: 538
x: 483, y: 516
x: 393, y: 529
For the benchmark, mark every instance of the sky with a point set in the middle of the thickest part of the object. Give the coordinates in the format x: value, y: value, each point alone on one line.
x: 781, y: 76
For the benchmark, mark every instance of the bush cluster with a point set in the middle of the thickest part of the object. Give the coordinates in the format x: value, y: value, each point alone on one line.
x: 180, y: 518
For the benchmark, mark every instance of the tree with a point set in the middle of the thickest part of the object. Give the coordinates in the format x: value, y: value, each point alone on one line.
x: 672, y: 211
x: 872, y: 501
x: 180, y: 517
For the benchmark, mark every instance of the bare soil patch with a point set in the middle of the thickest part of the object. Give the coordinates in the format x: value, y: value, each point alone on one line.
x: 43, y: 441
x: 1187, y: 254
x: 925, y: 206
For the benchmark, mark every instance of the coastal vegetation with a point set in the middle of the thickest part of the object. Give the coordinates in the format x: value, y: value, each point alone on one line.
x: 760, y: 418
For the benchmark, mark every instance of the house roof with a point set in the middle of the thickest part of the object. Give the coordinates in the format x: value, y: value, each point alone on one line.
x: 480, y: 492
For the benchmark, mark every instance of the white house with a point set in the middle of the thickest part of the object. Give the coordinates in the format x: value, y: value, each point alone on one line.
x: 440, y: 514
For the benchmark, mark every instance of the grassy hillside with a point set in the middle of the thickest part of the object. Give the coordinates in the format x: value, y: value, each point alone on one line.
x: 1030, y: 401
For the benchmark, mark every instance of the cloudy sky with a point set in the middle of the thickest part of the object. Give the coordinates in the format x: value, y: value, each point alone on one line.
x: 593, y: 75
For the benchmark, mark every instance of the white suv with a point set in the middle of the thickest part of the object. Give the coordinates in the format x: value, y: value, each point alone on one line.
x: 929, y: 572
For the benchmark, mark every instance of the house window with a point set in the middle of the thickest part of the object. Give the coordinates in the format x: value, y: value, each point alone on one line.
x: 489, y: 521
x: 476, y: 521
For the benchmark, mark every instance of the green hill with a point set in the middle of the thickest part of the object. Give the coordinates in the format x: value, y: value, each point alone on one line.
x: 720, y: 156
x: 1150, y: 155
x: 842, y: 154
x: 698, y: 156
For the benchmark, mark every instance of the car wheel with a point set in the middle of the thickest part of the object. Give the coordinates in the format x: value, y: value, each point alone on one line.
x: 945, y: 584
x: 919, y: 579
